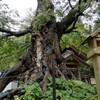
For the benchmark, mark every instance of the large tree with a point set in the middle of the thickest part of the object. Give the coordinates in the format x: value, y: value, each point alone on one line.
x: 44, y: 53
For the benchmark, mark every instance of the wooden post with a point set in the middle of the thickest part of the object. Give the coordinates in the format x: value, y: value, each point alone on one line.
x: 79, y: 74
x: 54, y: 83
x: 53, y: 80
x: 94, y: 53
x: 96, y: 64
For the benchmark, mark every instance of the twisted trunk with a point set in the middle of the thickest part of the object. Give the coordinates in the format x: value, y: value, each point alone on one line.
x: 44, y: 52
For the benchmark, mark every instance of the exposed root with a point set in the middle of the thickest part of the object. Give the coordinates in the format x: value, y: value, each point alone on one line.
x: 44, y: 82
x: 61, y: 74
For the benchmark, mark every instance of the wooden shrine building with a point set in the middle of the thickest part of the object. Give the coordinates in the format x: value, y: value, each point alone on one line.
x: 74, y: 61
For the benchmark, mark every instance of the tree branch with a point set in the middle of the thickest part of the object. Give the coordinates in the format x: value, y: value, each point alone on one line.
x: 39, y: 7
x: 44, y: 5
x: 70, y: 4
x: 17, y: 34
x: 70, y: 18
x: 74, y: 23
x: 79, y: 5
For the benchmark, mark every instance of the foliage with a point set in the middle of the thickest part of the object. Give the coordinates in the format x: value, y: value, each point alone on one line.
x: 75, y: 38
x: 65, y: 90
x: 11, y: 49
x: 42, y: 18
x: 97, y: 21
x: 46, y: 4
x: 7, y: 16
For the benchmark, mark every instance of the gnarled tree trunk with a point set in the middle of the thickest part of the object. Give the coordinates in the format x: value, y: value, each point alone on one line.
x: 44, y: 53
